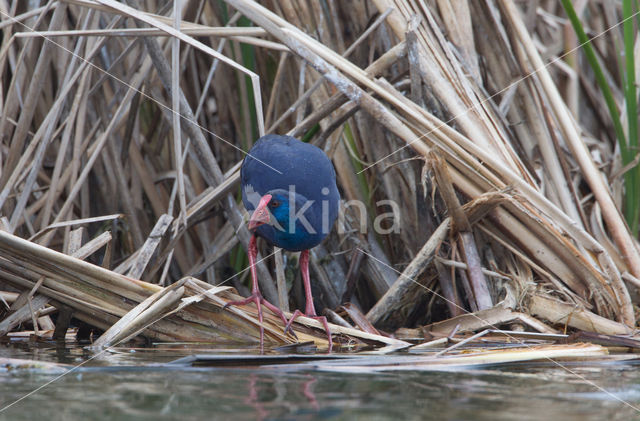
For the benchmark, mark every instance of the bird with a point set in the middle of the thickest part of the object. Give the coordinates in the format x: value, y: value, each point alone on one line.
x: 289, y: 188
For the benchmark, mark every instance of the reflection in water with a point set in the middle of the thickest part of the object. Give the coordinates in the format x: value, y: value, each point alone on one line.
x: 308, y: 392
x: 252, y: 399
x: 264, y: 390
x: 284, y: 392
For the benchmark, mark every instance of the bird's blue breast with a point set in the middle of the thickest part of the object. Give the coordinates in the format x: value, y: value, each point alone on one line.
x: 293, y: 241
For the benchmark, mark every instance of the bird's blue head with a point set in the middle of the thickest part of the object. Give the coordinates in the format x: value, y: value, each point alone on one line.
x: 287, y: 219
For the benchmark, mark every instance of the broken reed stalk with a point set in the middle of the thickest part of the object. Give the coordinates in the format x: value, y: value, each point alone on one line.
x: 460, y: 225
x: 108, y: 296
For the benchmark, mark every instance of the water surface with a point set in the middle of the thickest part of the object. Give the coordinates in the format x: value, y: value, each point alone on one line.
x: 128, y: 384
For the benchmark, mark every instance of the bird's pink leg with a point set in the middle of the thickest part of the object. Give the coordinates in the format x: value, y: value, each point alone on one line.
x: 310, y: 310
x: 256, y: 297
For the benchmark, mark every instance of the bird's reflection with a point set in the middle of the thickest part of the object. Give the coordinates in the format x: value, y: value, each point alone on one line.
x: 307, y: 390
x: 262, y: 412
x: 252, y: 398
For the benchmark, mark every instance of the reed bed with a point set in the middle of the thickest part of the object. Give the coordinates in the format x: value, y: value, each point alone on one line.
x: 487, y: 170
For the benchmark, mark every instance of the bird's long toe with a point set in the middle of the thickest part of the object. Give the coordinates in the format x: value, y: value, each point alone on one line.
x: 275, y: 310
x: 250, y: 299
x: 324, y: 322
x: 321, y: 319
x: 288, y: 324
x: 259, y: 301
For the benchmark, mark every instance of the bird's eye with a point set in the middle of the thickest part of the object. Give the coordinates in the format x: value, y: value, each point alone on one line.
x: 274, y: 204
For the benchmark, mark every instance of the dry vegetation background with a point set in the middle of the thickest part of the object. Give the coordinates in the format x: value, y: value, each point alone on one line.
x: 503, y: 159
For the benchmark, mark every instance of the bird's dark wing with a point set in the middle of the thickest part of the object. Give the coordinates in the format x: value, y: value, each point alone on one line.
x: 298, y: 164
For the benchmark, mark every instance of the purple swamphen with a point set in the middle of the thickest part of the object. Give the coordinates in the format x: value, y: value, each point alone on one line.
x: 289, y: 187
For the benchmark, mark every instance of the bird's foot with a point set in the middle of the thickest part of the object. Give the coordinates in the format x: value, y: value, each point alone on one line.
x: 321, y: 319
x: 259, y: 300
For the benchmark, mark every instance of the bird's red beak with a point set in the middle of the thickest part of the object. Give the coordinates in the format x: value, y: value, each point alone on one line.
x: 260, y: 216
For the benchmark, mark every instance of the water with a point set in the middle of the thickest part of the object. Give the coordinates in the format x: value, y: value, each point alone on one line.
x: 123, y: 385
